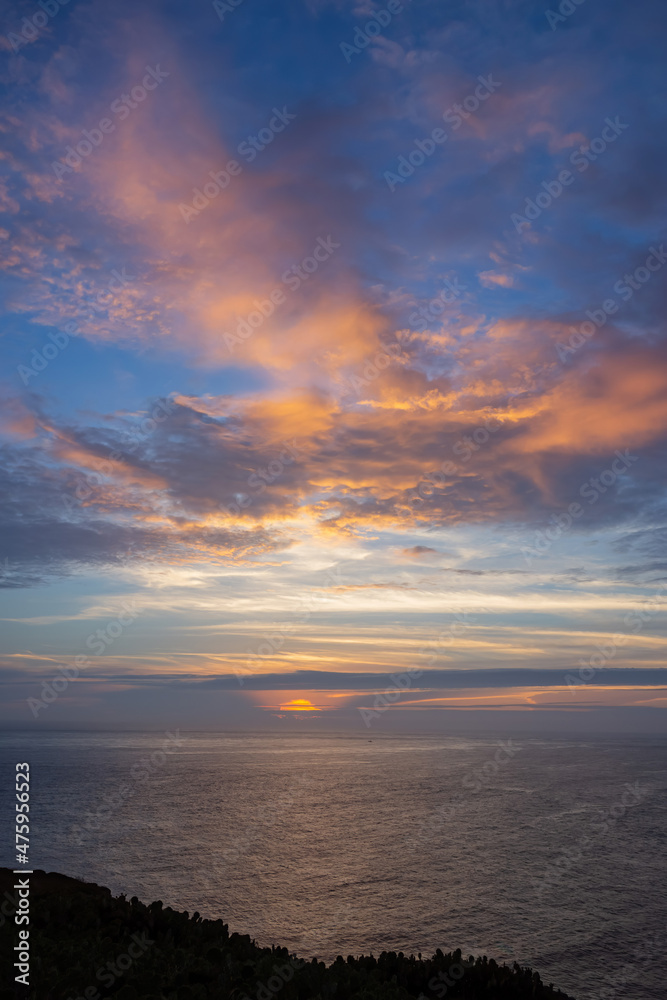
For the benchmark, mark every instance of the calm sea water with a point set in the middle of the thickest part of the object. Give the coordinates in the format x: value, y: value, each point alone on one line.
x: 549, y: 852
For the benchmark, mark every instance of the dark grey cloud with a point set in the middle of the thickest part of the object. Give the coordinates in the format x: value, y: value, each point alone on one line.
x: 432, y: 679
x: 55, y: 518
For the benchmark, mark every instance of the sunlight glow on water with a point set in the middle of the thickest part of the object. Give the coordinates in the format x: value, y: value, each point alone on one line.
x: 339, y: 844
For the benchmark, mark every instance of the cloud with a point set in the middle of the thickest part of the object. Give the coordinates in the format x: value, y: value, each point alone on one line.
x: 491, y: 278
x: 236, y: 475
x: 482, y: 679
x: 376, y: 586
x: 68, y: 503
x: 420, y: 552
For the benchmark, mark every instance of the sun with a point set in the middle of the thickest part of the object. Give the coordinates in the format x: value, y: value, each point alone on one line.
x: 299, y: 705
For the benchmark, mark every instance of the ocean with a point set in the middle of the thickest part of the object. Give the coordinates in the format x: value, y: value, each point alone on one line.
x: 549, y: 852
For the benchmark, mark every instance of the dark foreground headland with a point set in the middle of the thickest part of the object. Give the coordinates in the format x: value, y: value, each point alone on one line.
x: 84, y: 944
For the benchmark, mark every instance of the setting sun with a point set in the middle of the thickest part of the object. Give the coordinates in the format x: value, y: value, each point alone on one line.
x: 299, y: 705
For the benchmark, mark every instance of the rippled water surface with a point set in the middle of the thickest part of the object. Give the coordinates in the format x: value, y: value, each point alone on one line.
x: 344, y: 844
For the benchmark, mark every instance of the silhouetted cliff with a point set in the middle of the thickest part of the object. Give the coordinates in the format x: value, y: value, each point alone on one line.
x: 85, y: 944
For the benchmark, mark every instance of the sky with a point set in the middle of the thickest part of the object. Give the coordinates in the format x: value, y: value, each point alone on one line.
x: 334, y: 373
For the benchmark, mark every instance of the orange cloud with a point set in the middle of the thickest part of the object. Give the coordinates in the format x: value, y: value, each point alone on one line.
x: 621, y: 401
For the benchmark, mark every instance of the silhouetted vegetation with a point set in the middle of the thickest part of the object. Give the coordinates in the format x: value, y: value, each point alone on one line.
x: 82, y: 939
